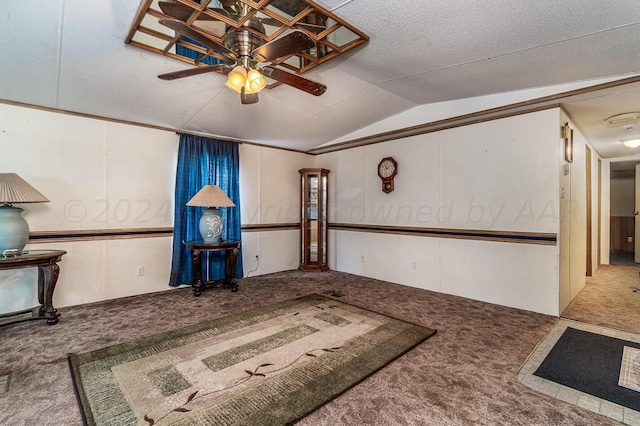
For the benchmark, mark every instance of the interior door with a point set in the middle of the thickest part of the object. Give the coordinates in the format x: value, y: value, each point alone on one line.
x: 565, y: 235
x: 636, y: 236
x: 589, y: 214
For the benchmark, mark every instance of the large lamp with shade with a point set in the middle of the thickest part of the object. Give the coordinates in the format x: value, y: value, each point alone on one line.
x: 211, y: 197
x: 14, y: 229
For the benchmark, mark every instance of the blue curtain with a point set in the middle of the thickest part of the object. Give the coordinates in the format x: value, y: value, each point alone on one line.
x: 204, y: 161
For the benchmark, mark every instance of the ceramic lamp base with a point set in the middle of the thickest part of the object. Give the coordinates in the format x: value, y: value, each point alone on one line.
x: 14, y: 230
x: 211, y: 225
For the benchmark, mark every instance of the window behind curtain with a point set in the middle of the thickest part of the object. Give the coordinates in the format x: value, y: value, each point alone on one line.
x: 204, y: 161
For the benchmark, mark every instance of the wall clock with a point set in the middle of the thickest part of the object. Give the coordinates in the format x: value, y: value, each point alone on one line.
x: 387, y: 170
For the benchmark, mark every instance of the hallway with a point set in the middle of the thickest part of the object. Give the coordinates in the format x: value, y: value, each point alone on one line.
x: 610, y: 298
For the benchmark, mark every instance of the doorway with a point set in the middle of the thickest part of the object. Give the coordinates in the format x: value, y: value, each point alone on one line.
x: 589, y: 214
x: 622, y: 238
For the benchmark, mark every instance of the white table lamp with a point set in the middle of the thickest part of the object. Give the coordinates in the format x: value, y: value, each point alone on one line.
x: 14, y: 229
x: 212, y: 197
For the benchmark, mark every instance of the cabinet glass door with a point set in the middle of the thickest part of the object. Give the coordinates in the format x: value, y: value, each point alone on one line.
x: 323, y: 220
x: 313, y: 221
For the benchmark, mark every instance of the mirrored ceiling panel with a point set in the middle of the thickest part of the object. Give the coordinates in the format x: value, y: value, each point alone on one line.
x: 261, y: 20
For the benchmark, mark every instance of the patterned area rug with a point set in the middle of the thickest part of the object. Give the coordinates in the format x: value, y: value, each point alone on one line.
x: 267, y: 366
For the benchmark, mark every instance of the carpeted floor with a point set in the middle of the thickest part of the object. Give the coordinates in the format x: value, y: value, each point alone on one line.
x: 465, y: 374
x: 610, y: 298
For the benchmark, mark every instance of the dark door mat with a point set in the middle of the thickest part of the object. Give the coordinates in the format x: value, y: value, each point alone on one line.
x: 590, y: 363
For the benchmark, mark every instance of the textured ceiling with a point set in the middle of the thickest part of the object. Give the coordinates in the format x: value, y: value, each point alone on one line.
x: 71, y: 55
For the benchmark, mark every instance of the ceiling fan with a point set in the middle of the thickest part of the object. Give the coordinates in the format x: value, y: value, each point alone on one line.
x: 243, y: 51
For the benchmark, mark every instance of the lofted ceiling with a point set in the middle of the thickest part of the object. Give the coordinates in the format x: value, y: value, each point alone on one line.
x: 71, y: 55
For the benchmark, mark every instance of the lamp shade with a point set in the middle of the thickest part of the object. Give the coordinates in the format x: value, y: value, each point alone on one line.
x: 237, y: 78
x: 14, y: 230
x: 14, y: 189
x: 210, y: 196
x: 255, y: 82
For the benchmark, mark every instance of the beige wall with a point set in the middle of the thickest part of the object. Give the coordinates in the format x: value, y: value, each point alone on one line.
x: 499, y: 175
x: 502, y: 175
x: 270, y: 194
x: 573, y: 235
x: 104, y: 175
x: 98, y: 175
x: 605, y: 216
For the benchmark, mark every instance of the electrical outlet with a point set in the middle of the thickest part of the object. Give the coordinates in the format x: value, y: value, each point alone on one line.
x: 362, y: 259
x: 139, y: 271
x: 257, y: 258
x: 629, y: 239
x: 414, y: 265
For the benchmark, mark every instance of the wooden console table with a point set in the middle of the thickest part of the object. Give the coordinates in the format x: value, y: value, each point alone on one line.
x: 231, y: 257
x: 48, y: 270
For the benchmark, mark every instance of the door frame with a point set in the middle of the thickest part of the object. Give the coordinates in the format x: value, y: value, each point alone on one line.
x: 589, y: 213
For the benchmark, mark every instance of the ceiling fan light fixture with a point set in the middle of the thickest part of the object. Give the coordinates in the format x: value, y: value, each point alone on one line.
x: 237, y: 78
x: 632, y: 143
x: 255, y: 81
x: 244, y: 49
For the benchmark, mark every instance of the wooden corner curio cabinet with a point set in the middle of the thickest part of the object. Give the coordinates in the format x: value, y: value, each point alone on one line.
x: 313, y: 221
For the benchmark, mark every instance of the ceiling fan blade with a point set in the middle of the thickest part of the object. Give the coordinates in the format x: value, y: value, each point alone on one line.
x: 248, y: 98
x: 176, y: 10
x: 294, y: 80
x: 191, y: 71
x: 294, y: 42
x: 184, y: 29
